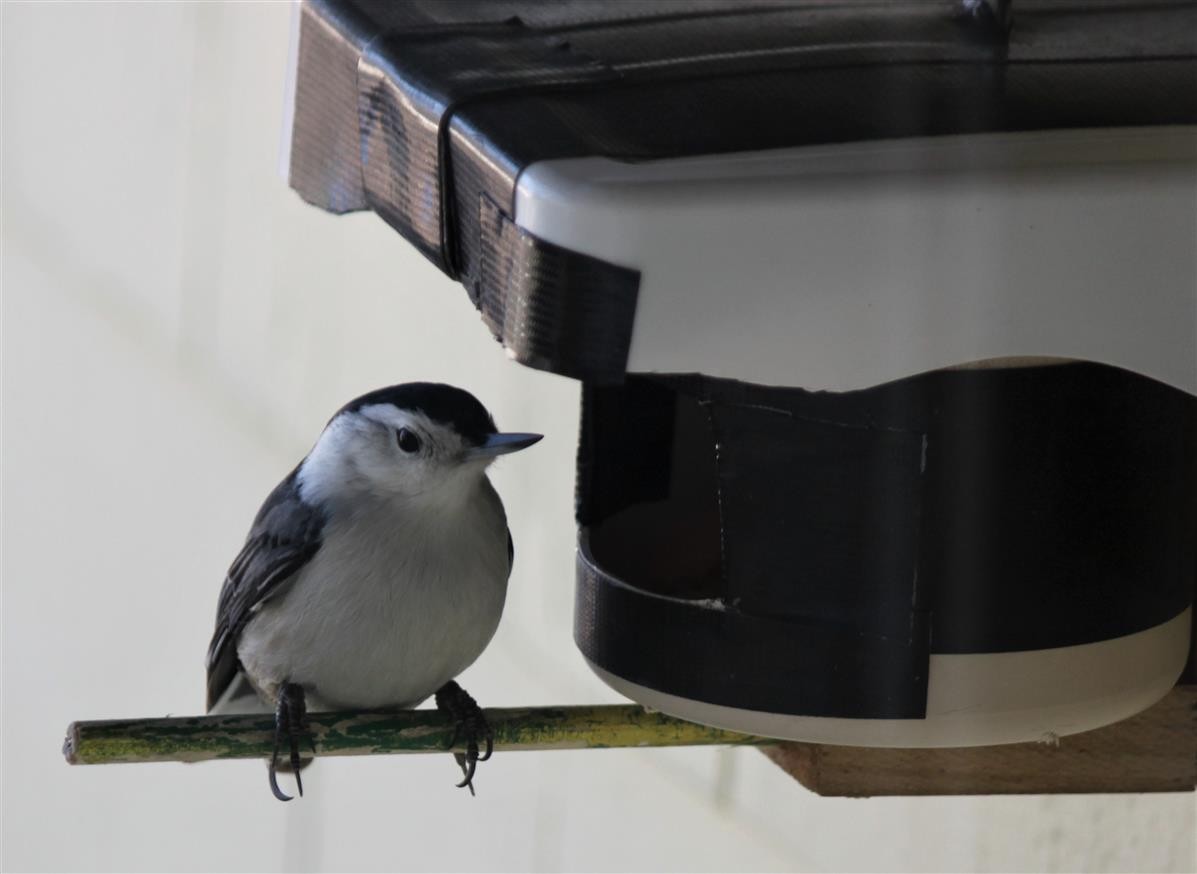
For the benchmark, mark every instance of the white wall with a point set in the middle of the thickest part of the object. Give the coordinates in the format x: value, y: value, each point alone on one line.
x: 177, y: 325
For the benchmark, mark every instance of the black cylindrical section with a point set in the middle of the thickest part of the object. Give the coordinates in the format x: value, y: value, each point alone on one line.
x: 806, y: 552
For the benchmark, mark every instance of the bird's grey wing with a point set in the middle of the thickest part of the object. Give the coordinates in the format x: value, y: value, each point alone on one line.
x: 285, y: 535
x: 510, y: 552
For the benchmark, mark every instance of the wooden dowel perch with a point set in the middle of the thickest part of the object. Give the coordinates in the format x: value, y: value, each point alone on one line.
x: 199, y: 738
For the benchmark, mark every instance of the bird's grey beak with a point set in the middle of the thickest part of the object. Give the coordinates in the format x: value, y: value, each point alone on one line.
x: 501, y: 444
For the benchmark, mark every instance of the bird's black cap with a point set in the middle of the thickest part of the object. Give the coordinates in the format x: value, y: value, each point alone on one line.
x: 446, y: 404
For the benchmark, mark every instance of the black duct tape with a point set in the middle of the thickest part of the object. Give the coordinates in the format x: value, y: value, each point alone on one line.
x: 555, y: 309
x: 711, y: 653
x: 806, y: 552
x: 411, y: 83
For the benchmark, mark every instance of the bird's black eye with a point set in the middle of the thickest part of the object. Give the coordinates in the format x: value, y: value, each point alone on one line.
x: 407, y: 440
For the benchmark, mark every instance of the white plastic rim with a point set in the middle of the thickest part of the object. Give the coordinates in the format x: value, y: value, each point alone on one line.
x: 982, y: 699
x: 839, y: 267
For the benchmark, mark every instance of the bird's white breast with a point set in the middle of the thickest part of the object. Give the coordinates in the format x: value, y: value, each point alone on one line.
x: 397, y: 601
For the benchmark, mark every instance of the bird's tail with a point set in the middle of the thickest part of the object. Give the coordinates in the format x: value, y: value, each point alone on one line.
x: 239, y: 697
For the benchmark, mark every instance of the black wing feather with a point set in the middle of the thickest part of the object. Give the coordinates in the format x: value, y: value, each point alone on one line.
x: 284, y: 537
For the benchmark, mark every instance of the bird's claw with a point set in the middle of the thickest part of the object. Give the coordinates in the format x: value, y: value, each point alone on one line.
x: 290, y: 721
x: 468, y: 723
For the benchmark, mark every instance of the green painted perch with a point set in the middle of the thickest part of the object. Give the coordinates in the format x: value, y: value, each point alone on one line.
x: 200, y: 738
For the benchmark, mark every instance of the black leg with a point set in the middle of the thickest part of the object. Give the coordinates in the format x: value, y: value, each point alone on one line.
x: 468, y: 722
x: 290, y: 718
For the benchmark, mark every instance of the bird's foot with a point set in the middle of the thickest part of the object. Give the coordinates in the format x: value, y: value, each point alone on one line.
x: 469, y: 724
x: 290, y: 722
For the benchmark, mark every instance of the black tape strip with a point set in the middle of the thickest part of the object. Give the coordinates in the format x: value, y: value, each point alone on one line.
x: 555, y: 309
x: 608, y: 416
x: 324, y: 164
x: 706, y: 652
x: 954, y: 512
x: 845, y: 499
x: 412, y: 81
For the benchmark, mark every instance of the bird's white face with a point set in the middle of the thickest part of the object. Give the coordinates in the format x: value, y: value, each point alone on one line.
x: 383, y: 451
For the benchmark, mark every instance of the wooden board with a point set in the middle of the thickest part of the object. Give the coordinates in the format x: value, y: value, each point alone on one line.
x: 1155, y: 751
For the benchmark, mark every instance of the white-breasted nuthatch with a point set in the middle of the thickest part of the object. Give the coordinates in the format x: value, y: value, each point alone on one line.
x: 374, y: 573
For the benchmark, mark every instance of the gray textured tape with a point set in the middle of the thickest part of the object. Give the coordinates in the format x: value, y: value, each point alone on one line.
x: 324, y: 166
x: 554, y: 309
x: 405, y: 112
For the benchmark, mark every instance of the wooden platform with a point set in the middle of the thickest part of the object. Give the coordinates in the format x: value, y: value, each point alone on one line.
x: 1155, y: 751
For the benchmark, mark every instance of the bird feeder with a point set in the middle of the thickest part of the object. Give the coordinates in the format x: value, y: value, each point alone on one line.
x: 885, y: 317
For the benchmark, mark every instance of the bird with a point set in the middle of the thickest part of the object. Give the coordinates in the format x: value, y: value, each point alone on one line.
x: 373, y: 574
